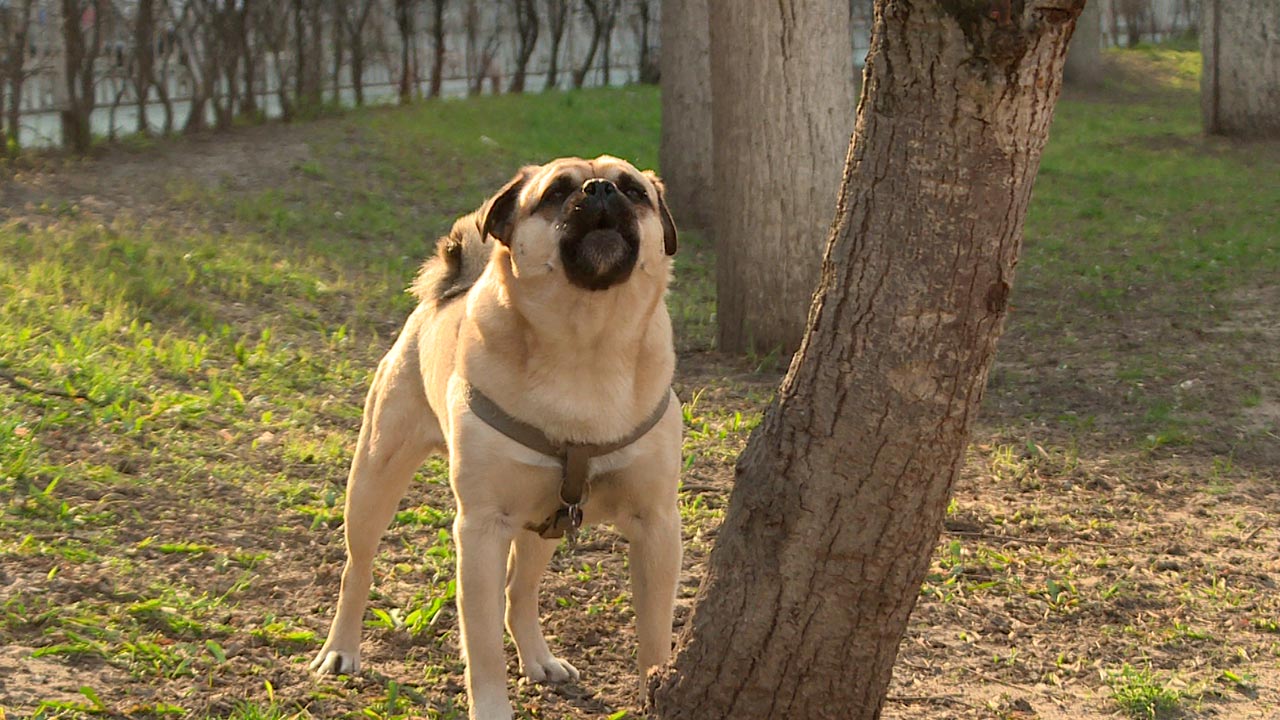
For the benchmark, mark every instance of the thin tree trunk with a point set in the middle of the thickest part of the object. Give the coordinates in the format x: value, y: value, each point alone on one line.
x: 15, y: 72
x: 648, y: 68
x: 144, y: 45
x: 252, y: 52
x: 339, y: 45
x: 1240, y: 85
x: 408, y: 73
x: 610, y: 20
x: 527, y: 27
x: 557, y: 18
x: 1084, y: 57
x: 357, y: 73
x: 597, y: 29
x: 120, y: 84
x: 684, y: 153
x: 437, y: 60
x: 299, y: 48
x: 791, y: 100
x: 841, y: 492
x: 354, y: 27
x: 80, y: 57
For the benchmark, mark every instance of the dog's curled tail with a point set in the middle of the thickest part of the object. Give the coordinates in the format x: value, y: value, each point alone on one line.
x: 459, y: 260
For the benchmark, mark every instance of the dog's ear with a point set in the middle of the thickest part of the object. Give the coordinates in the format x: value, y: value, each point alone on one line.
x: 669, y: 239
x: 498, y: 216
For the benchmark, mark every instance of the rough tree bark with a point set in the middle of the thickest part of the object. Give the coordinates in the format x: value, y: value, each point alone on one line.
x: 1240, y: 85
x: 783, y: 89
x: 557, y: 19
x: 684, y: 152
x: 1084, y: 57
x: 841, y: 492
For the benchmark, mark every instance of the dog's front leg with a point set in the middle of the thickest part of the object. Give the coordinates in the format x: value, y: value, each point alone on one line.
x: 484, y: 539
x: 655, y: 569
x: 529, y: 557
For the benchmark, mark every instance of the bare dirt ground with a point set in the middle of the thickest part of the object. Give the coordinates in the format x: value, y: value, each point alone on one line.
x: 1067, y: 556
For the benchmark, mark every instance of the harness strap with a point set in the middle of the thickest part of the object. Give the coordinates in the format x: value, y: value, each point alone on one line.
x: 574, y: 458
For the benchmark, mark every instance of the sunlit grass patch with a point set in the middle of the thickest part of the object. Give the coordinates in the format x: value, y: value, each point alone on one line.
x: 1141, y: 694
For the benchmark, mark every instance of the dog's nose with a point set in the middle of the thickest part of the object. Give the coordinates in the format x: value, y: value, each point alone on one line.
x: 599, y: 188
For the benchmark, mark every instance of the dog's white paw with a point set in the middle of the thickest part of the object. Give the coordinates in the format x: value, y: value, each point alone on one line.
x: 336, y: 662
x: 495, y: 710
x: 549, y: 669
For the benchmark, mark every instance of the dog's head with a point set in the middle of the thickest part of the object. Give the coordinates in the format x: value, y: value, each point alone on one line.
x: 594, y: 221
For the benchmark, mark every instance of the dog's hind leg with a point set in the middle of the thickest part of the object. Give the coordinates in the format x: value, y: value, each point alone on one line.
x: 397, y: 434
x: 529, y: 557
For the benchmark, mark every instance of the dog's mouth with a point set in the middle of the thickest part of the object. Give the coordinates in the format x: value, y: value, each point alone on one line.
x: 599, y: 245
x: 600, y: 258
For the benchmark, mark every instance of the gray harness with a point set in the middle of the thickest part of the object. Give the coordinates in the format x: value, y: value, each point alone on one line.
x: 573, y: 457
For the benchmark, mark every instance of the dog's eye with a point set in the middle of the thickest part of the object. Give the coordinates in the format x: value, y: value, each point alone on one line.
x: 556, y: 194
x: 633, y: 190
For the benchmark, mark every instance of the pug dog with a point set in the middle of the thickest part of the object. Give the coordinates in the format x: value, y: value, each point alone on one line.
x: 540, y: 358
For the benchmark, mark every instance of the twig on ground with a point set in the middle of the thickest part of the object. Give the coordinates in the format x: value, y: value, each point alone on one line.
x: 1253, y: 533
x: 21, y: 384
x: 1038, y: 541
x: 930, y: 699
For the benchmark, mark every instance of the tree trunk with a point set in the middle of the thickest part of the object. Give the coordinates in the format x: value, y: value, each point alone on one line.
x: 357, y: 72
x: 253, y: 56
x: 1084, y: 56
x: 16, y: 28
x: 471, y: 31
x: 557, y: 18
x: 527, y: 26
x: 684, y: 153
x: 144, y: 45
x: 408, y: 73
x: 597, y: 27
x: 437, y: 61
x: 339, y: 45
x: 1240, y: 85
x: 79, y: 56
x: 606, y: 41
x: 1135, y: 14
x: 355, y: 36
x: 782, y: 79
x: 648, y: 68
x: 841, y: 492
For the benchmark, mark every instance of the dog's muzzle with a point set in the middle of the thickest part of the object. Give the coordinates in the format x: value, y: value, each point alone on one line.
x: 600, y: 245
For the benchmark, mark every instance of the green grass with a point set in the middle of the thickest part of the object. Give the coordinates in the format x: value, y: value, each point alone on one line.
x: 1141, y: 695
x: 185, y: 389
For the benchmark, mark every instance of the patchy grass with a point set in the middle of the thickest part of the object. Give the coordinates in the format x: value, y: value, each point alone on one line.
x: 187, y: 330
x: 1142, y: 695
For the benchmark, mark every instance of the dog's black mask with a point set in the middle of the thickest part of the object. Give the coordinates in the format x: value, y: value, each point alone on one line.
x: 599, y: 244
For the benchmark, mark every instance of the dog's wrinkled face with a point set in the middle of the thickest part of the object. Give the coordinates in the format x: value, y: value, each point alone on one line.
x: 593, y: 220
